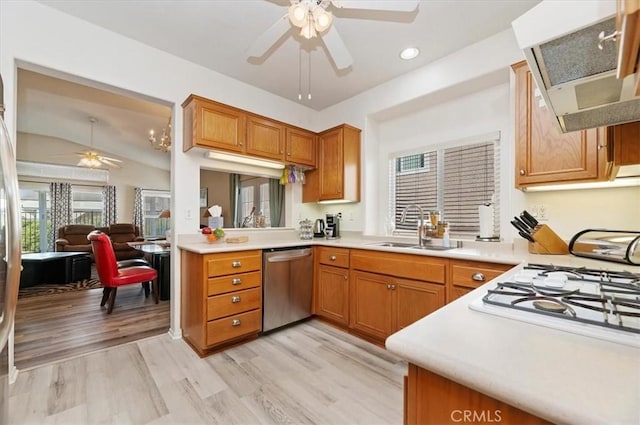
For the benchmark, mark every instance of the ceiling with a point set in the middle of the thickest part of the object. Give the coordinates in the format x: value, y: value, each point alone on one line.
x: 216, y: 34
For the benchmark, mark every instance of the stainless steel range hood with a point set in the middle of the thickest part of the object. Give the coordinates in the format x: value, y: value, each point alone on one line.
x: 577, y: 80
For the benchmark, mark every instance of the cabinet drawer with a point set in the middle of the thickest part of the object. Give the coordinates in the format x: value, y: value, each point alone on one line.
x: 338, y: 257
x: 474, y: 275
x: 233, y: 282
x: 416, y: 267
x: 231, y: 327
x: 233, y: 262
x: 233, y: 303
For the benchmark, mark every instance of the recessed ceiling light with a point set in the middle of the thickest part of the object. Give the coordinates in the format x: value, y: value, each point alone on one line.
x: 409, y: 53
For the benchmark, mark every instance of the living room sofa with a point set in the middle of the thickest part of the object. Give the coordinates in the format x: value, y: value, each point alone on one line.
x: 74, y: 238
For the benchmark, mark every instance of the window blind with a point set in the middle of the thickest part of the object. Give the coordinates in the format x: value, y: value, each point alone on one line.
x: 415, y: 185
x: 469, y: 181
x: 454, y: 180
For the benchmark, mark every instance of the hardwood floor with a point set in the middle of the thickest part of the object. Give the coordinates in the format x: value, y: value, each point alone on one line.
x: 307, y: 374
x: 59, y: 326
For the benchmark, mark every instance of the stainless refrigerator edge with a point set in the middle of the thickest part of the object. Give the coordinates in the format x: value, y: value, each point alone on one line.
x: 10, y: 251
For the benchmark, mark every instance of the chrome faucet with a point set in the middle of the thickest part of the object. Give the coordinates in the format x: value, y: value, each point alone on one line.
x: 403, y: 216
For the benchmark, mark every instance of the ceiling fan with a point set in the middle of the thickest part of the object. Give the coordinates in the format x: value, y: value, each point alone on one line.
x: 92, y: 159
x: 313, y: 19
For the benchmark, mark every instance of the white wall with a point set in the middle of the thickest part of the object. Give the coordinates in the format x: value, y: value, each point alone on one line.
x: 476, y: 114
x: 35, y: 148
x: 476, y: 67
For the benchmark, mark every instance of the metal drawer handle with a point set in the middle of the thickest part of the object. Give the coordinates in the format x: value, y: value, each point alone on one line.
x: 235, y: 299
x: 236, y: 281
x: 236, y: 264
x: 332, y: 258
x: 478, y: 277
x: 235, y: 322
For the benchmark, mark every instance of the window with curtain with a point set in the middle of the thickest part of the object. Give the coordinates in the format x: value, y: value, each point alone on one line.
x: 254, y: 192
x: 86, y: 205
x: 153, y: 202
x: 454, y: 180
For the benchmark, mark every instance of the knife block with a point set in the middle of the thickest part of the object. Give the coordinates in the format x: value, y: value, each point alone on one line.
x: 547, y: 241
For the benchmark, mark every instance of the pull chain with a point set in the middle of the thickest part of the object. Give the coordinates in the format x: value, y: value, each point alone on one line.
x: 300, y: 73
x: 309, y: 95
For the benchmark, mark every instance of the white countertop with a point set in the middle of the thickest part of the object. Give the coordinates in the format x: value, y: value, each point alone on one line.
x: 558, y: 376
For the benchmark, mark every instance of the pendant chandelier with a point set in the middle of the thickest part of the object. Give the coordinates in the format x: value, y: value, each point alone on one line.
x: 164, y: 144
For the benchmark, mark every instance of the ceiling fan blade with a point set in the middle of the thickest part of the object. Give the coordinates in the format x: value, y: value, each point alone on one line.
x: 101, y: 158
x: 338, y: 51
x: 107, y: 162
x: 268, y: 38
x: 396, y: 6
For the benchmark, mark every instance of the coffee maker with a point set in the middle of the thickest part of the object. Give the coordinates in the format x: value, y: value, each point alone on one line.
x: 333, y: 226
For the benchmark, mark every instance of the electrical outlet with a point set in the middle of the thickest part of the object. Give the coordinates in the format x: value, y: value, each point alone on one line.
x: 187, y: 214
x: 543, y: 212
x: 533, y: 210
x: 340, y: 215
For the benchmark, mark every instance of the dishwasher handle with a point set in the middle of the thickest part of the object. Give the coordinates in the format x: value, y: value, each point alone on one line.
x: 283, y: 256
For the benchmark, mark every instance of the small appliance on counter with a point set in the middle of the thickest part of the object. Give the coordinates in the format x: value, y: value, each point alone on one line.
x: 318, y: 228
x: 618, y: 246
x: 332, y: 231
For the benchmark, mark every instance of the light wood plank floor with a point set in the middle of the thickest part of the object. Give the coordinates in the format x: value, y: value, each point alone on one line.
x: 59, y: 326
x: 307, y: 374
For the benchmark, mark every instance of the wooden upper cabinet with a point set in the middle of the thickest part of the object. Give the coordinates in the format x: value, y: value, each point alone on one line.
x: 628, y: 39
x: 626, y: 143
x: 211, y: 124
x: 338, y: 174
x: 544, y: 155
x: 300, y: 147
x: 265, y: 138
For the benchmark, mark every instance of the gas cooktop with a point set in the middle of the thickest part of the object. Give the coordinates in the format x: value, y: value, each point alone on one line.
x: 597, y: 303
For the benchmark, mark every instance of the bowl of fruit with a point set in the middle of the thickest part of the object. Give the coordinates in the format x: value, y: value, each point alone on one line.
x: 213, y: 235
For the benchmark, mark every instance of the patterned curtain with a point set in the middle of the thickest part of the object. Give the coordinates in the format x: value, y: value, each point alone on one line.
x: 138, y: 210
x: 61, y: 210
x: 109, y: 205
x: 276, y: 201
x: 234, y: 191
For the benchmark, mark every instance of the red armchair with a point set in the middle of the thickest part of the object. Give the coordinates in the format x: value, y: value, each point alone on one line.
x: 111, y: 276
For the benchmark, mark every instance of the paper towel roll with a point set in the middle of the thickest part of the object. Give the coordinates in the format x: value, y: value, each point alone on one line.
x: 485, y: 212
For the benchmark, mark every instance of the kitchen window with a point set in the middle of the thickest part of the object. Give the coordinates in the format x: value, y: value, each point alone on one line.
x: 454, y: 179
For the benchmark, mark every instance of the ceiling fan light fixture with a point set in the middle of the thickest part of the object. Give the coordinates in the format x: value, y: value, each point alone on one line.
x: 409, y: 53
x: 322, y: 19
x: 89, y: 161
x: 298, y: 14
x: 308, y: 31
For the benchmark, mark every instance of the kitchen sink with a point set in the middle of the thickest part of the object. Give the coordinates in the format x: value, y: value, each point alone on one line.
x: 395, y: 244
x: 412, y: 246
x: 432, y: 247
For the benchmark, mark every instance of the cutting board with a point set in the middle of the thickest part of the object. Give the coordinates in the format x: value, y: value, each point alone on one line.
x: 237, y: 239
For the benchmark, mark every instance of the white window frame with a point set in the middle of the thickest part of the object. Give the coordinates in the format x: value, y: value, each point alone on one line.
x: 494, y: 137
x: 163, y: 225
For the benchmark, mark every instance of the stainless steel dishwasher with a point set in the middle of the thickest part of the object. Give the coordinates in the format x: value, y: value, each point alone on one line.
x: 287, y: 286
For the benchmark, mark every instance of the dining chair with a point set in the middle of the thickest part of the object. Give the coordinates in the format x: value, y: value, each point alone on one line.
x: 111, y: 276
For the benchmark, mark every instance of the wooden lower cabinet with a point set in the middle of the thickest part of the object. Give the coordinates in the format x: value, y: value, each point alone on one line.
x: 433, y: 399
x: 465, y: 276
x: 333, y: 294
x: 372, y: 307
x: 381, y: 305
x: 221, y: 298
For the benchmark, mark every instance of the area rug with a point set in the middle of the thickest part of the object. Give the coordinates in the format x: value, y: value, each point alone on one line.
x: 48, y: 289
